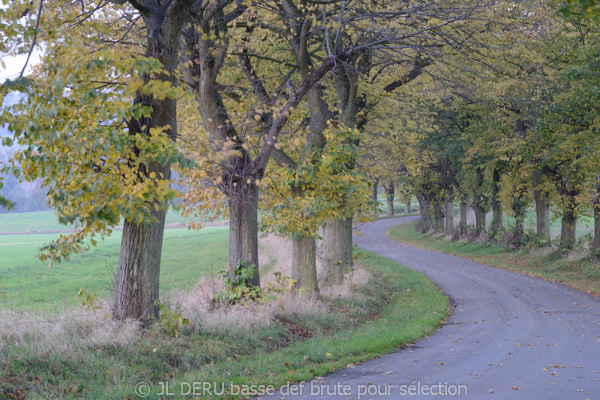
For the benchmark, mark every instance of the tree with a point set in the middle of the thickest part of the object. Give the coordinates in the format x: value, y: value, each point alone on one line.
x: 206, y: 44
x: 99, y: 125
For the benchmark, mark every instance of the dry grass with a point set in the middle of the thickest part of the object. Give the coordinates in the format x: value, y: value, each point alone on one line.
x: 75, y: 328
x: 279, y: 251
x: 197, y: 306
x: 78, y: 328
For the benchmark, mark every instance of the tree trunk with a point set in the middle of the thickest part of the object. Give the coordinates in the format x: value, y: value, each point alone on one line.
x: 407, y: 207
x: 478, y: 203
x: 202, y: 63
x: 568, y: 229
x: 496, y: 218
x: 542, y: 207
x: 137, y: 282
x: 596, y: 243
x: 496, y: 206
x: 389, y: 196
x: 304, y: 267
x: 375, y: 189
x: 479, y: 219
x: 337, y: 249
x: 304, y: 258
x: 333, y: 251
x: 519, y: 226
x: 464, y: 209
x: 449, y: 216
x: 425, y: 210
x: 348, y: 243
x: 136, y: 287
x: 438, y: 210
x: 243, y: 230
x: 519, y: 208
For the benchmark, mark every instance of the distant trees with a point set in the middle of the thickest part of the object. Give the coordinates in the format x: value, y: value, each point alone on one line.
x: 516, y: 128
x: 24, y: 196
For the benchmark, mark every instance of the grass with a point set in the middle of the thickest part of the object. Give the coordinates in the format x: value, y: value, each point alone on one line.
x: 581, y: 273
x: 47, y: 222
x: 584, y: 225
x: 29, y: 285
x: 399, y: 208
x: 395, y: 307
x: 396, y: 215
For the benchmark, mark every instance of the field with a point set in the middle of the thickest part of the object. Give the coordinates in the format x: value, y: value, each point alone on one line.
x: 27, y: 284
x: 46, y: 222
x: 53, y: 348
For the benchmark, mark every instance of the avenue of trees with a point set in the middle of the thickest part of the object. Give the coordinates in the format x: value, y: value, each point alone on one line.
x: 516, y: 131
x: 297, y: 111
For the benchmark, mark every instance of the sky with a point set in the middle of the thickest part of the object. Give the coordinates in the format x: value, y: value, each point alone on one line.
x: 14, y: 65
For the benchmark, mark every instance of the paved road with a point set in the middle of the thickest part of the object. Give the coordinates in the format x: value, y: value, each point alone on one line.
x: 510, y: 337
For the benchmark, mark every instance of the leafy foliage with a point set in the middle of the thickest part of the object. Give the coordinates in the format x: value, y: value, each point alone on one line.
x: 328, y: 186
x: 238, y: 289
x: 171, y: 321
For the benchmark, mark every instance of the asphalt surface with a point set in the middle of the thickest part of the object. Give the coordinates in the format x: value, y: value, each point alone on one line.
x: 509, y: 337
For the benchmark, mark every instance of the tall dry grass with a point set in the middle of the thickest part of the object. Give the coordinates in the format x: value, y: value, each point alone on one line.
x: 197, y: 306
x: 74, y: 328
x: 78, y: 328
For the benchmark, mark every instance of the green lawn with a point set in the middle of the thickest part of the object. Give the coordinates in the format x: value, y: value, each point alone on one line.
x: 46, y: 221
x: 584, y: 225
x: 27, y: 284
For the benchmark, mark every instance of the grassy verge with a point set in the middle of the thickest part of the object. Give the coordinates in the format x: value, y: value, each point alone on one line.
x: 580, y: 273
x: 414, y: 213
x: 395, y: 307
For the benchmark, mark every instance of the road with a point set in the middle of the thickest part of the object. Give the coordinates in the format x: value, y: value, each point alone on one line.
x: 510, y: 336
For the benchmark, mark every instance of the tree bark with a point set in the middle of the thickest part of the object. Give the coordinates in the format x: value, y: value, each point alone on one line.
x: 425, y: 210
x: 137, y: 284
x: 519, y: 208
x: 243, y: 230
x: 304, y: 267
x: 596, y: 243
x: 304, y: 257
x: 375, y: 189
x: 568, y: 229
x: 542, y: 207
x: 389, y: 196
x: 449, y: 205
x: 464, y: 209
x: 478, y: 202
x: 348, y: 243
x: 519, y: 226
x: 137, y: 281
x: 496, y: 206
x: 480, y: 222
x: 334, y: 251
x: 337, y: 249
x: 438, y: 210
x: 407, y: 207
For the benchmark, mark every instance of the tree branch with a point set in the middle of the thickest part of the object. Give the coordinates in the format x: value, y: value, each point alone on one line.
x: 284, y: 115
x: 37, y: 26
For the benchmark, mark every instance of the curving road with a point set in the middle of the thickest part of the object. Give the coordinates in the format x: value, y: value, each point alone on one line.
x: 510, y: 337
